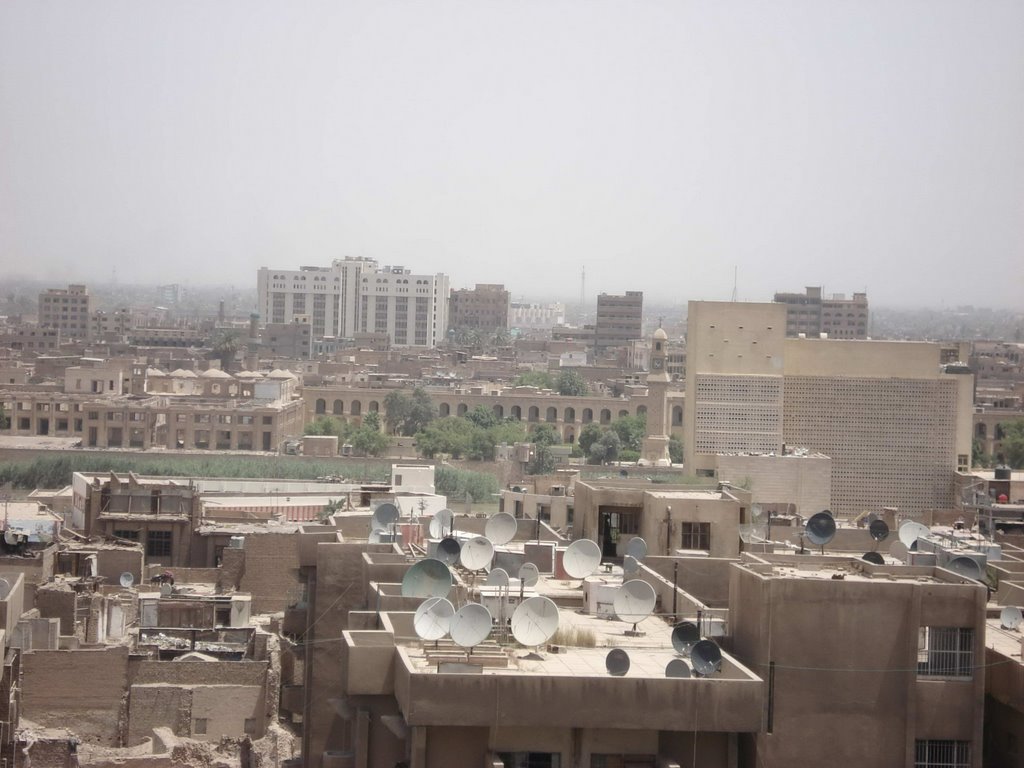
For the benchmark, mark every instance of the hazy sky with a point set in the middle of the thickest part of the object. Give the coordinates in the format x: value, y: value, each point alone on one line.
x: 875, y: 144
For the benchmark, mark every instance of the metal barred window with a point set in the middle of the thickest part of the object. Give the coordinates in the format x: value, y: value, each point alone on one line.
x: 942, y: 753
x: 946, y: 652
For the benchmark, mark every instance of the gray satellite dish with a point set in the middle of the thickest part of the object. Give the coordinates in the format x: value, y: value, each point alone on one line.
x: 677, y: 668
x: 166, y: 590
x: 375, y: 537
x: 820, y: 529
x: 441, y: 523
x: 706, y: 657
x: 911, y: 531
x: 899, y: 550
x: 529, y: 574
x: 637, y: 548
x: 470, y: 625
x: 534, y: 621
x: 630, y: 565
x: 448, y: 551
x: 966, y: 567
x: 1010, y: 617
x: 384, y: 516
x: 581, y: 558
x: 497, y: 578
x: 501, y: 528
x: 433, y: 618
x: 617, y: 662
x: 873, y: 557
x: 5, y: 588
x: 427, y: 578
x: 685, y: 635
x: 634, y: 601
x: 476, y: 553
x: 879, y: 530
x: 126, y: 579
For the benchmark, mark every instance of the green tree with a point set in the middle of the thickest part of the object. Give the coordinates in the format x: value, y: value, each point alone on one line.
x: 1012, y: 443
x: 369, y: 441
x: 372, y: 420
x: 631, y: 431
x: 406, y: 415
x: 542, y: 462
x: 589, y: 435
x: 4, y: 421
x: 571, y: 383
x: 545, y: 434
x: 539, y: 379
x: 606, y: 449
x: 483, y: 417
x: 450, y: 435
x: 224, y: 345
x: 326, y: 425
x: 396, y: 408
x: 675, y: 450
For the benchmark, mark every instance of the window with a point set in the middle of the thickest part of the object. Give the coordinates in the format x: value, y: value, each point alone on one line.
x: 695, y: 535
x: 945, y: 652
x: 942, y: 753
x: 250, y: 727
x: 158, y: 544
x: 530, y: 759
x: 122, y: 533
x: 199, y: 729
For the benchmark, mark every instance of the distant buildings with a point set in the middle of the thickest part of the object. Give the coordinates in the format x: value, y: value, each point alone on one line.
x: 619, y: 320
x: 527, y: 316
x: 66, y: 309
x: 355, y: 295
x: 484, y: 308
x: 812, y: 314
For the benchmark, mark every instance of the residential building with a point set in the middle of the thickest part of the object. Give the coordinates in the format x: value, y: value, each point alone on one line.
x: 483, y: 308
x: 66, y: 309
x: 812, y: 314
x: 527, y: 316
x: 896, y: 426
x: 293, y: 341
x: 34, y: 339
x: 619, y: 320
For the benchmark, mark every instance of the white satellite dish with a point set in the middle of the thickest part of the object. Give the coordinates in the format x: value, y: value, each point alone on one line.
x: 384, y: 516
x: 529, y: 574
x: 634, y: 601
x: 427, y: 578
x: 581, y: 558
x: 911, y: 531
x: 1010, y: 617
x: 5, y: 588
x: 433, y: 618
x: 637, y: 548
x: 441, y: 523
x: 630, y: 565
x: 375, y: 537
x: 476, y: 553
x: 448, y: 551
x: 470, y: 625
x: 126, y: 579
x: 501, y: 528
x: 497, y: 578
x: 534, y: 621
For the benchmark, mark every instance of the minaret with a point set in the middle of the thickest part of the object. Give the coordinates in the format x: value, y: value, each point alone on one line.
x: 655, y: 446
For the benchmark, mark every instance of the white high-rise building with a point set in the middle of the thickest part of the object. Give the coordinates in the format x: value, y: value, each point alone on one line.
x: 355, y: 295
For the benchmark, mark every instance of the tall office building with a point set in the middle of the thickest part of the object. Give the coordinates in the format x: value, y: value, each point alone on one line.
x: 896, y: 426
x: 813, y: 314
x: 66, y: 309
x: 355, y: 295
x: 484, y: 308
x: 619, y: 320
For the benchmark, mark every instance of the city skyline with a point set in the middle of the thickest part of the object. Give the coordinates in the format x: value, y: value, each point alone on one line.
x: 868, y: 148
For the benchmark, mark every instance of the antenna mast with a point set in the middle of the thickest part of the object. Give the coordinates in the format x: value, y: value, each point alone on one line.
x: 583, y: 284
x: 735, y: 276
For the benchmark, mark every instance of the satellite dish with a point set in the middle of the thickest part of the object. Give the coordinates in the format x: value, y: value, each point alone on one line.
x: 448, y: 551
x: 581, y: 558
x: 433, y: 618
x: 879, y: 530
x: 685, y: 635
x: 529, y: 574
x: 534, y: 621
x: 911, y: 531
x: 637, y: 548
x: 1010, y: 617
x: 427, y: 578
x: 873, y: 557
x: 375, y: 537
x: 384, y: 516
x: 677, y: 668
x: 5, y: 588
x: 821, y: 528
x: 899, y: 550
x: 617, y: 662
x: 470, y: 625
x: 706, y: 657
x: 630, y: 565
x: 497, y: 578
x: 476, y: 553
x: 126, y: 579
x: 166, y: 590
x: 966, y: 567
x: 501, y: 528
x: 441, y: 523
x: 758, y: 514
x: 634, y: 601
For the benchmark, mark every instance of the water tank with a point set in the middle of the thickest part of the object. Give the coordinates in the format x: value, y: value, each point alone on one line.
x: 1002, y: 472
x: 237, y: 542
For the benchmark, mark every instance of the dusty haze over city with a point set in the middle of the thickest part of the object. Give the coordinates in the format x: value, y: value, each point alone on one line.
x: 871, y: 146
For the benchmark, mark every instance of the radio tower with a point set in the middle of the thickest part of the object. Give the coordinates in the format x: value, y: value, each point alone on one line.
x: 583, y: 284
x: 735, y: 275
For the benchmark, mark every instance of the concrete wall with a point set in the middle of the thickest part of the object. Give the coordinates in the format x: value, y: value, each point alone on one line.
x: 805, y: 481
x: 271, y: 571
